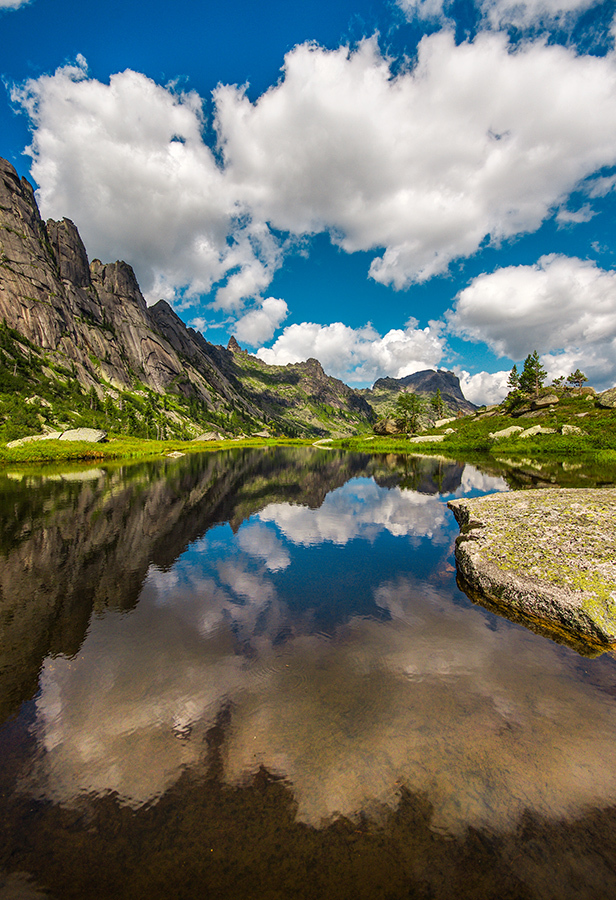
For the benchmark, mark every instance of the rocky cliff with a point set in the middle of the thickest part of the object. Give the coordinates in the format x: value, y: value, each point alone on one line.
x: 85, y: 328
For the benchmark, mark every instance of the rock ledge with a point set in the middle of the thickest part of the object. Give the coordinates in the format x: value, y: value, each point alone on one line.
x: 549, y: 555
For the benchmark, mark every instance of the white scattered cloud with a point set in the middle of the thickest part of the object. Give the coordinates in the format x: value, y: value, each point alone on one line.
x: 565, y: 307
x: 575, y: 216
x: 499, y: 13
x: 13, y: 4
x: 261, y: 542
x: 359, y: 355
x: 602, y: 186
x: 258, y: 325
x: 483, y: 387
x: 533, y: 12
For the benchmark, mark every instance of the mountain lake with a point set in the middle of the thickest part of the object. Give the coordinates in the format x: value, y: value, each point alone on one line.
x: 251, y: 674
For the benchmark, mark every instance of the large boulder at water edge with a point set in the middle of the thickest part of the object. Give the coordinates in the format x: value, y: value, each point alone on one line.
x: 549, y: 555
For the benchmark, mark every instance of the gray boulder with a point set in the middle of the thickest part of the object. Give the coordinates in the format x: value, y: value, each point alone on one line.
x: 90, y: 435
x: 505, y: 433
x: 542, y: 402
x: 607, y: 400
x: 536, y: 429
x: 209, y: 436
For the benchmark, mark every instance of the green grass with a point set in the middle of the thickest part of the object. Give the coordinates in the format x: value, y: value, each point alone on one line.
x: 123, y: 447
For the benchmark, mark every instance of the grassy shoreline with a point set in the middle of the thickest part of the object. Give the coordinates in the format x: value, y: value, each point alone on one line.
x: 593, y: 438
x: 123, y: 447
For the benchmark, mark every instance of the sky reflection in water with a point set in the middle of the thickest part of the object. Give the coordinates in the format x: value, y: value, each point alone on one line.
x: 352, y: 663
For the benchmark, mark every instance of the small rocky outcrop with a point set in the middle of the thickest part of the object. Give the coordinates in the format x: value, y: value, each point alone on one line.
x: 546, y: 555
x: 388, y: 426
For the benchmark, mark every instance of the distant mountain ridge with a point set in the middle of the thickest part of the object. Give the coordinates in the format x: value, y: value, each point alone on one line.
x: 382, y: 395
x: 74, y: 328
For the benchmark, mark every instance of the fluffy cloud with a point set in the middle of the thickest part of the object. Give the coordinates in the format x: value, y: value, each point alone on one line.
x: 258, y: 325
x: 475, y: 142
x: 484, y: 387
x: 564, y: 306
x: 12, y: 4
x: 128, y: 163
x: 359, y: 355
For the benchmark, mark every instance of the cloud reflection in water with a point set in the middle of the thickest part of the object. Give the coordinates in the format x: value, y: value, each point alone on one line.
x: 483, y: 716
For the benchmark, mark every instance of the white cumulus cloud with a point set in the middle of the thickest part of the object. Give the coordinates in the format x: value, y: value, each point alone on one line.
x: 475, y: 142
x: 258, y: 326
x: 359, y: 355
x: 483, y: 387
x: 472, y: 144
x: 565, y: 307
x: 127, y: 162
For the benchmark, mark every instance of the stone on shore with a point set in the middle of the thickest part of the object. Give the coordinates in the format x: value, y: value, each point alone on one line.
x: 427, y: 439
x: 90, y: 435
x: 209, y: 436
x: 548, y: 556
x: 505, y: 433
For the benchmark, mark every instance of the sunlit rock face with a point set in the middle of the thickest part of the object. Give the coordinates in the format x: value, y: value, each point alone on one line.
x: 405, y: 684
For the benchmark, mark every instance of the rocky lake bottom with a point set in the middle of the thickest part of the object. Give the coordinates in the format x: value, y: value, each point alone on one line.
x: 252, y: 674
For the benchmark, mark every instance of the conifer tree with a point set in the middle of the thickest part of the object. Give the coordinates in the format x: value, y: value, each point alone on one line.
x: 514, y: 379
x: 409, y: 407
x: 576, y: 379
x: 437, y: 403
x: 533, y: 375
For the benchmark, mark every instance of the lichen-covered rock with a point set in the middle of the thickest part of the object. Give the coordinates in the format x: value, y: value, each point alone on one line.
x: 546, y: 400
x: 547, y: 554
x: 90, y: 435
x: 209, y: 436
x: 571, y: 429
x: 607, y: 399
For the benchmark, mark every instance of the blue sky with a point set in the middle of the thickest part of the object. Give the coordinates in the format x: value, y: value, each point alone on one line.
x: 387, y: 186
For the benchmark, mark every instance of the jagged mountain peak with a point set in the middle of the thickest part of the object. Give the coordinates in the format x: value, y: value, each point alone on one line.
x: 90, y: 321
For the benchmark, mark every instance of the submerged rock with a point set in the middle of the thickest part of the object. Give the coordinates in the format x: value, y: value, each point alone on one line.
x: 549, y: 555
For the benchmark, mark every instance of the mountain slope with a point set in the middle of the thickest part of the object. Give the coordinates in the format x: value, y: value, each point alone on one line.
x: 80, y: 346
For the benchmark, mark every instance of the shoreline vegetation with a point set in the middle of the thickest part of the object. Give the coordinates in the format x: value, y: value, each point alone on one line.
x: 575, y: 428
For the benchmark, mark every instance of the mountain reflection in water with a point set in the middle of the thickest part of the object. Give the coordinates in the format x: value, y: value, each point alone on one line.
x: 308, y: 600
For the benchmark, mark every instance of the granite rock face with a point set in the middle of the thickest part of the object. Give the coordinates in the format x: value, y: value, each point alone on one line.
x: 549, y: 555
x: 93, y: 314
